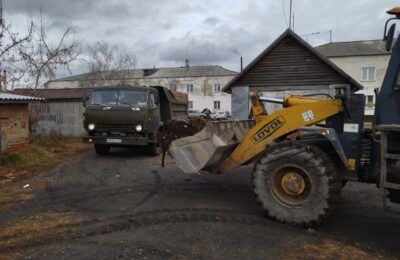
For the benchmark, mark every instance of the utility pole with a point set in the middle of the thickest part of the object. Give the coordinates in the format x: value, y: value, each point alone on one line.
x: 330, y: 36
x: 290, y: 15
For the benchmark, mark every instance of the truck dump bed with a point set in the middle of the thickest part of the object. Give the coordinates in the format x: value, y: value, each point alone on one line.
x: 173, y: 104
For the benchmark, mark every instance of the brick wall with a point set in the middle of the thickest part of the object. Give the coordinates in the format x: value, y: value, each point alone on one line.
x: 14, y: 130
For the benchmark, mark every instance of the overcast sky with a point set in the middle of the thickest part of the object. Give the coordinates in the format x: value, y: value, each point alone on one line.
x: 164, y: 32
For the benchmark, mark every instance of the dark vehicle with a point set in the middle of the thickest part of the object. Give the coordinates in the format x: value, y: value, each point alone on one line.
x: 130, y: 116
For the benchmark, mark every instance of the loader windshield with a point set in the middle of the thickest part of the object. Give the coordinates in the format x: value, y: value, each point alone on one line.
x: 119, y: 97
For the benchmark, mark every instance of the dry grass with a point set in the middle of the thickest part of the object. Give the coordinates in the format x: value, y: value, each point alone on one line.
x: 329, y: 249
x: 41, y: 226
x: 43, y: 154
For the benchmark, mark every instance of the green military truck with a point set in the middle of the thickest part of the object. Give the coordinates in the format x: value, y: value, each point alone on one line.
x: 130, y: 116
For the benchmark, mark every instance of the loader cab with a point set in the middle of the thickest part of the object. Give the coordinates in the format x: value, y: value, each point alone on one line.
x: 387, y: 110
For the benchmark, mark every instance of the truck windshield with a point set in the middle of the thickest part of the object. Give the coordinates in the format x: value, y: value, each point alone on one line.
x: 119, y: 97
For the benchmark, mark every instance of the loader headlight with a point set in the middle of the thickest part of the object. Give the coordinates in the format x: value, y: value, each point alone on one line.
x: 139, y: 128
x: 91, y: 127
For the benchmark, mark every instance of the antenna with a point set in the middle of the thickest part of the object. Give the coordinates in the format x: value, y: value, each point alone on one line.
x: 290, y: 15
x: 293, y: 22
x: 310, y: 34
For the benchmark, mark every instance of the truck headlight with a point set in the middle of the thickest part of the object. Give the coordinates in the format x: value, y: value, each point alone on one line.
x: 91, y: 127
x: 139, y: 128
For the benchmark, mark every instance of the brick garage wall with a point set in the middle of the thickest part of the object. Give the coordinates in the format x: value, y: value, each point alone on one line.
x: 14, y: 127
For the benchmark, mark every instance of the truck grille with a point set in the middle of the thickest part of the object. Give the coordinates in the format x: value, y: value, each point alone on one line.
x: 115, y: 128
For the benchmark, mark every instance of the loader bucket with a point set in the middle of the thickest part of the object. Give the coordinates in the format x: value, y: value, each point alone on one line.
x: 210, y: 146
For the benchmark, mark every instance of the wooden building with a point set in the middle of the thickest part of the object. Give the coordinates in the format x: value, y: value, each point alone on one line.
x: 288, y: 66
x: 61, y: 113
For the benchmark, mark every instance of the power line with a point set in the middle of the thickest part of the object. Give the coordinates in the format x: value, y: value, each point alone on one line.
x: 284, y: 12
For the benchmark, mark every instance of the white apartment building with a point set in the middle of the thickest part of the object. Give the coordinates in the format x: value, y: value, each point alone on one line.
x: 364, y: 61
x: 203, y: 84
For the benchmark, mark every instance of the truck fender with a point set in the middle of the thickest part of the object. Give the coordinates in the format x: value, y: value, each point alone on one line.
x: 157, y: 128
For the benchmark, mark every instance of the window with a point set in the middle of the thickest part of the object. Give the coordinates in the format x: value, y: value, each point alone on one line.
x: 189, y: 88
x: 190, y: 104
x: 217, y: 104
x: 368, y: 74
x: 154, y: 100
x: 217, y: 87
x: 369, y: 101
x: 172, y: 87
x: 119, y: 97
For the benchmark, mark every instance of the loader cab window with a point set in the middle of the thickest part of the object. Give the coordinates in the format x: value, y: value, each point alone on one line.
x: 398, y: 79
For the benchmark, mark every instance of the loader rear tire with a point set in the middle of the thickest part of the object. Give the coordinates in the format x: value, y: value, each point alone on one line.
x: 296, y: 183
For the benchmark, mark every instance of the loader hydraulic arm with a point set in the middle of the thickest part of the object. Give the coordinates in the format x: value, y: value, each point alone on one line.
x: 299, y: 112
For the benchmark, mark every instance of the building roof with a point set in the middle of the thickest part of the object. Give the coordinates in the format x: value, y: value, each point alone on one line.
x: 196, y: 71
x: 293, y: 71
x: 354, y: 48
x: 56, y: 94
x: 13, y: 98
x: 175, y: 72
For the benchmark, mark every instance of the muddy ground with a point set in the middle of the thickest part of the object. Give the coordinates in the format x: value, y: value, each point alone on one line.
x: 126, y: 206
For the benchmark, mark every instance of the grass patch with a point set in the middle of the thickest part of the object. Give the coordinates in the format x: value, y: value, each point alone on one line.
x: 42, y: 154
x: 35, y: 155
x: 36, y: 228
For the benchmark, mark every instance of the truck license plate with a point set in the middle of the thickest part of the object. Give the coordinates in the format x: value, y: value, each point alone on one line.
x: 113, y: 140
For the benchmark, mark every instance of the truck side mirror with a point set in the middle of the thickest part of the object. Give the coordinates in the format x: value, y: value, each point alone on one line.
x: 84, y: 101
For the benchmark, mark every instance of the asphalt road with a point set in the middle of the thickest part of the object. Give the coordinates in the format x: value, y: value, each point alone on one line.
x: 126, y: 206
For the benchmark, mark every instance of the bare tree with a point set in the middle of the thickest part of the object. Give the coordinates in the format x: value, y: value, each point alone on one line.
x: 109, y: 62
x: 30, y: 57
x: 10, y: 44
x: 43, y: 59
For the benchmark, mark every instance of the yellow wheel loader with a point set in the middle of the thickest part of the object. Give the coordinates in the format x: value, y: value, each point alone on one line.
x: 305, y: 152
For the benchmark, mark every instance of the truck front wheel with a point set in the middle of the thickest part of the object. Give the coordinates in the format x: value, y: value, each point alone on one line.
x: 296, y: 183
x: 153, y: 149
x: 102, y: 149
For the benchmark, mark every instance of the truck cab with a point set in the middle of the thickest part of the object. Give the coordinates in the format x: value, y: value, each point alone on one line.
x: 129, y: 116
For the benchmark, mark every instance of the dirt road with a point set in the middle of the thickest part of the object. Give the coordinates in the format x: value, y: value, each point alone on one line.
x: 126, y: 206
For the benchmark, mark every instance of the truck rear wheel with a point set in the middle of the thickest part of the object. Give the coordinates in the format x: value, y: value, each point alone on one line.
x: 296, y: 183
x: 102, y: 149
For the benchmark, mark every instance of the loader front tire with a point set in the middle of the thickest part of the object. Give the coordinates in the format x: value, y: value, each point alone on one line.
x: 296, y: 183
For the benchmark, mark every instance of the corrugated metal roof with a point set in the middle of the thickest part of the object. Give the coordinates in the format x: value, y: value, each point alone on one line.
x: 56, y: 94
x: 355, y: 48
x: 175, y: 72
x: 7, y: 97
